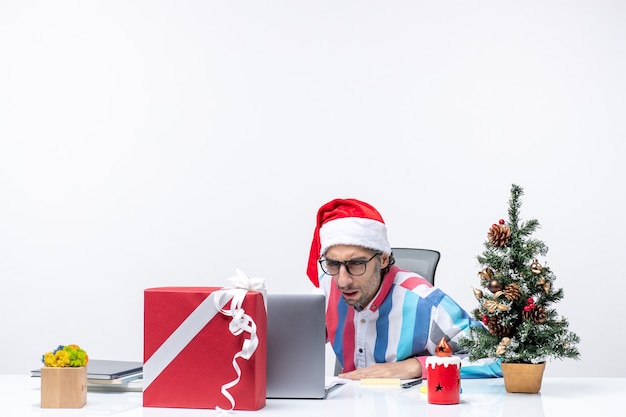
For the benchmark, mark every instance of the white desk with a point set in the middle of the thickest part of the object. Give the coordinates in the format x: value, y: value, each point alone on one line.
x: 20, y: 396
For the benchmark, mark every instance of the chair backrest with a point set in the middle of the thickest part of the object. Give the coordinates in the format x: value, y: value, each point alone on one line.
x: 422, y: 261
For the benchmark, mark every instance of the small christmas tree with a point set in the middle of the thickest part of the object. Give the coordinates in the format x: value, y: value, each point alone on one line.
x: 520, y: 324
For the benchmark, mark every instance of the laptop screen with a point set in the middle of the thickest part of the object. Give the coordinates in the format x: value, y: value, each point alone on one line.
x: 296, y: 353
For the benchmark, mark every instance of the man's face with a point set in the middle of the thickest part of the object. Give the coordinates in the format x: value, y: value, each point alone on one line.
x: 358, y: 291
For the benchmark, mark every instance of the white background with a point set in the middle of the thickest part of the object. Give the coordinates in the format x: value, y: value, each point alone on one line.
x: 152, y: 143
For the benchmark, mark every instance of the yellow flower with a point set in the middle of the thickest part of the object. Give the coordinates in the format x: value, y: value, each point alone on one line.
x: 64, y: 356
x: 48, y: 359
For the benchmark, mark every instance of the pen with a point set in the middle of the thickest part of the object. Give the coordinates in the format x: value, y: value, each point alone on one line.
x: 411, y: 383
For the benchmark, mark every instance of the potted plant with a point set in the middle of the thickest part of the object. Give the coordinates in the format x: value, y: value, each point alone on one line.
x: 64, y: 377
x: 522, y: 329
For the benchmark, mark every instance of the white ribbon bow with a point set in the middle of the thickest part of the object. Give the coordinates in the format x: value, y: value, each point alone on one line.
x: 246, y: 282
x: 241, y: 322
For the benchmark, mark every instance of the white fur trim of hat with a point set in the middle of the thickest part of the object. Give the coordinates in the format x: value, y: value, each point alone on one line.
x: 367, y: 233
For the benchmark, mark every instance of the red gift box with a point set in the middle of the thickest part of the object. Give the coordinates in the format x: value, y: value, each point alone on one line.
x: 190, y: 349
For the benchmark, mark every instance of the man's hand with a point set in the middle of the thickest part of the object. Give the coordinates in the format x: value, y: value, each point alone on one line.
x: 406, y: 369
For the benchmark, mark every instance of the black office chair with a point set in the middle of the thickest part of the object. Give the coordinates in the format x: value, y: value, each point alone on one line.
x: 421, y: 261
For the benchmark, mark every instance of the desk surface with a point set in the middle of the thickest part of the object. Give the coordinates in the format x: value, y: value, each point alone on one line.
x: 20, y: 396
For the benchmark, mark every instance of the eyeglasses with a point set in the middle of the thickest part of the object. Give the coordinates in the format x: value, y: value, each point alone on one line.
x: 354, y: 267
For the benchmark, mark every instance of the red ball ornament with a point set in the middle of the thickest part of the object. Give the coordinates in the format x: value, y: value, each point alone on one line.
x: 501, y: 221
x: 528, y: 308
x: 485, y: 319
x: 530, y: 301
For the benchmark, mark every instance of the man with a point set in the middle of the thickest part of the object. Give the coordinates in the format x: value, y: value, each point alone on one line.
x: 382, y: 322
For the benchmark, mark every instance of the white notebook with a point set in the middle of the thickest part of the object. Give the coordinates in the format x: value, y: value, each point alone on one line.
x: 106, y: 369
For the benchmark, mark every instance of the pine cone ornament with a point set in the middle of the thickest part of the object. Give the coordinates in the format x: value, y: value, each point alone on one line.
x: 496, y: 328
x: 536, y: 314
x: 499, y: 235
x: 512, y: 291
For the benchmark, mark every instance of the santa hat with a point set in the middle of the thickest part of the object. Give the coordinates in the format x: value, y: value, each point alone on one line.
x: 346, y: 222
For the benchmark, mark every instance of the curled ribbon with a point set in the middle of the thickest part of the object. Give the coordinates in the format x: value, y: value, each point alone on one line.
x: 240, y: 323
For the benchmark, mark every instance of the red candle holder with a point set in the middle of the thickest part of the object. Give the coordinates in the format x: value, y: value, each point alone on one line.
x: 444, y: 380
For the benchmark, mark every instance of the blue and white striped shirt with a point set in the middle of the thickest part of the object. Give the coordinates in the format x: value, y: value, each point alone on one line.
x: 407, y: 318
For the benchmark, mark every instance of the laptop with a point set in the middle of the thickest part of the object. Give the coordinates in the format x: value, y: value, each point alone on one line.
x: 296, y: 352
